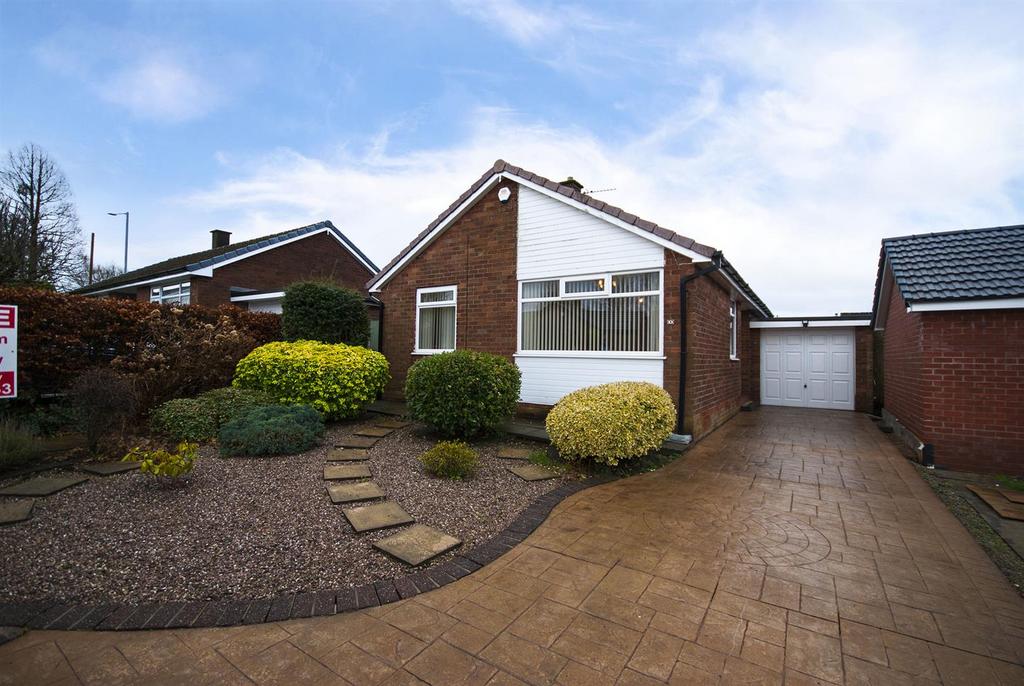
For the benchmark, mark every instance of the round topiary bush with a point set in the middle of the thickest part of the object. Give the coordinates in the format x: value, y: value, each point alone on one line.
x: 462, y: 393
x: 321, y: 311
x: 272, y: 430
x: 338, y: 380
x: 451, y: 460
x: 611, y: 422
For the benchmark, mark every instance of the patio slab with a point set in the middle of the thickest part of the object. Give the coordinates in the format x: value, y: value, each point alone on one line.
x: 532, y: 472
x: 354, y: 492
x: 16, y: 511
x: 42, y: 486
x: 341, y: 472
x: 515, y: 453
x: 374, y: 431
x: 358, y: 442
x: 417, y: 544
x: 348, y: 455
x: 379, y: 516
x: 392, y: 423
x: 109, y: 468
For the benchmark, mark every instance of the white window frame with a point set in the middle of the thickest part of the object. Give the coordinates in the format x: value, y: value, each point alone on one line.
x: 734, y: 327
x: 454, y: 302
x: 161, y: 298
x: 562, y: 295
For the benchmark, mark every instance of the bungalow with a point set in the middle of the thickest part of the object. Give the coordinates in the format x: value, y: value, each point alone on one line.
x: 576, y: 292
x: 950, y: 310
x: 251, y: 274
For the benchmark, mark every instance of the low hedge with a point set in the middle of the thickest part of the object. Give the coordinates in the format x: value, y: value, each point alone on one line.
x: 338, y: 380
x: 200, y: 418
x: 462, y: 393
x: 611, y: 422
x: 272, y: 430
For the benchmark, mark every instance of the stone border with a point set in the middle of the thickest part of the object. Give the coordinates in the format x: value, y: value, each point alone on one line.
x: 53, y: 615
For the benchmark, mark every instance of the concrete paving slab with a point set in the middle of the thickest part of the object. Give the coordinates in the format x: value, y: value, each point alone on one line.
x: 42, y: 486
x: 348, y: 455
x: 358, y: 442
x: 374, y: 431
x: 379, y: 516
x: 532, y: 472
x: 516, y: 453
x: 339, y: 472
x: 417, y: 544
x: 354, y: 492
x: 392, y: 423
x: 12, y: 512
x: 108, y: 468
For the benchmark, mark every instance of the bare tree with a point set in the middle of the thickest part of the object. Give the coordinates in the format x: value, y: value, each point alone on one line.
x: 100, y: 272
x: 41, y: 225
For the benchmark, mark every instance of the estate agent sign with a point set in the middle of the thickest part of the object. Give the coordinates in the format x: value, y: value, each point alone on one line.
x: 8, y: 351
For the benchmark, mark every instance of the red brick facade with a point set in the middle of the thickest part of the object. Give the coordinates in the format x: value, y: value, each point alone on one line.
x: 956, y: 380
x: 478, y: 254
x: 315, y: 257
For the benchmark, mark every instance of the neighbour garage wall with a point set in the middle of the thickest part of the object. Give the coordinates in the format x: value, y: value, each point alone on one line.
x: 477, y: 253
x: 902, y: 362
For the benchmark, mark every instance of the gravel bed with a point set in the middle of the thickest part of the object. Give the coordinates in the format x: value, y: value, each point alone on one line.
x: 245, y: 527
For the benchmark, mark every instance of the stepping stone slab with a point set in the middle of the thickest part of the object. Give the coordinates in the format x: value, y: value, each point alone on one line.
x: 1012, y: 496
x: 379, y: 516
x: 994, y: 499
x: 358, y: 442
x: 18, y: 511
x: 108, y: 468
x: 392, y: 423
x: 338, y: 472
x: 532, y: 472
x: 348, y: 455
x: 375, y: 431
x: 43, y: 485
x: 350, y: 493
x: 515, y: 453
x: 417, y: 544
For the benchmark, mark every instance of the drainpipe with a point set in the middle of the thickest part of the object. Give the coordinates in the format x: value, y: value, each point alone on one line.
x: 716, y: 264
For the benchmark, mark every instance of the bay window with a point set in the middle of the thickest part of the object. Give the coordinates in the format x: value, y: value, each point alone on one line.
x: 174, y: 293
x: 601, y: 313
x: 435, y: 319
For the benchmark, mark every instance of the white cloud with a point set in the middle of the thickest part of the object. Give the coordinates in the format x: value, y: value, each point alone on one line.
x: 800, y: 151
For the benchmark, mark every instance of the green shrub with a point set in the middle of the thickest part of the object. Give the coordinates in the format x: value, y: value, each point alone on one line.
x: 611, y: 422
x: 325, y: 312
x: 103, y: 402
x: 163, y: 464
x: 462, y: 393
x: 272, y: 430
x: 450, y: 460
x: 200, y: 418
x: 338, y: 380
x: 18, y: 445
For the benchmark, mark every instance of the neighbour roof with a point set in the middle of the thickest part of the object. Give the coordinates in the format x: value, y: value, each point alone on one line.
x: 501, y: 166
x: 214, y: 256
x: 971, y: 264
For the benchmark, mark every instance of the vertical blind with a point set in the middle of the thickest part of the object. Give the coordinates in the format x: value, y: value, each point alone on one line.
x: 623, y: 318
x: 435, y: 311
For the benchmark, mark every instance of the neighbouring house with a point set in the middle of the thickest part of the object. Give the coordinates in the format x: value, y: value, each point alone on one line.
x: 250, y: 274
x: 576, y: 292
x: 950, y: 310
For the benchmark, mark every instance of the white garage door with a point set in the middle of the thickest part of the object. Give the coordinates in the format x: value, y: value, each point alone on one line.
x: 808, y: 368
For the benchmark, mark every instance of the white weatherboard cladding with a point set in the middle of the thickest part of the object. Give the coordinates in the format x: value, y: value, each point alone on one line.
x: 547, y: 379
x: 555, y: 240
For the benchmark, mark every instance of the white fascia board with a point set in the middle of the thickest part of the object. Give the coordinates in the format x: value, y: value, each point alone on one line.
x: 811, y: 324
x: 955, y: 305
x: 293, y: 239
x: 739, y: 291
x: 146, y: 282
x: 257, y: 297
x: 381, y: 279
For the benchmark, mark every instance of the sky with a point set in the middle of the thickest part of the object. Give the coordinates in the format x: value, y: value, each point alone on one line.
x: 793, y: 136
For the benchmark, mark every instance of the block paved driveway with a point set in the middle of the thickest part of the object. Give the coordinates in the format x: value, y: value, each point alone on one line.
x: 791, y: 546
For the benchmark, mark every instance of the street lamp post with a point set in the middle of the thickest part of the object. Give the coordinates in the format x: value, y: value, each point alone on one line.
x: 118, y: 214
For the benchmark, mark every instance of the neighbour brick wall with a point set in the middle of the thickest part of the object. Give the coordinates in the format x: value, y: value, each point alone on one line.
x: 478, y: 254
x: 972, y: 399
x: 902, y: 362
x: 863, y: 400
x: 750, y: 354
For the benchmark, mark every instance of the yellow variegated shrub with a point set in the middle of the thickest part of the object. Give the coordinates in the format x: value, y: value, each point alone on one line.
x: 611, y: 422
x: 338, y: 380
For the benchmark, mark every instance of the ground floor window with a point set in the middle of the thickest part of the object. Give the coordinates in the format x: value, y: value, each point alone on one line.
x: 614, y: 312
x: 435, y: 319
x: 175, y: 293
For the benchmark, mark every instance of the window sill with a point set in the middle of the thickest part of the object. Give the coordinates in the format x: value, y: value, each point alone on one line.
x: 594, y: 355
x: 431, y: 352
x: 734, y: 358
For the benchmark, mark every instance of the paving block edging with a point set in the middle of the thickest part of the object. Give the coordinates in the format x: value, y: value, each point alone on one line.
x: 55, y: 615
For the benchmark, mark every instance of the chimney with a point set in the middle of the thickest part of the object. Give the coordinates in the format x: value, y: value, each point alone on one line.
x: 573, y: 183
x: 220, y: 238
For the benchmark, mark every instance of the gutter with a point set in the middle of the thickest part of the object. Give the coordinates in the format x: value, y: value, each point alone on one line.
x: 716, y: 264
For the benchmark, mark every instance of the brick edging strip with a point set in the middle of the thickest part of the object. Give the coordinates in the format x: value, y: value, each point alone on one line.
x: 50, y: 614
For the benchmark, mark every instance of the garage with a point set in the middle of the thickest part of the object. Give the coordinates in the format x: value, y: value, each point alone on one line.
x: 809, y: 362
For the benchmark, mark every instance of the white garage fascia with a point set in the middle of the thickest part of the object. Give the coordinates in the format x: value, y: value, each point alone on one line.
x: 810, y: 324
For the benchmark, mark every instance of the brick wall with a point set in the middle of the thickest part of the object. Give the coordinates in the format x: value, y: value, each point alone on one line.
x: 902, y: 362
x: 478, y: 254
x: 750, y: 353
x: 315, y: 257
x: 972, y: 399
